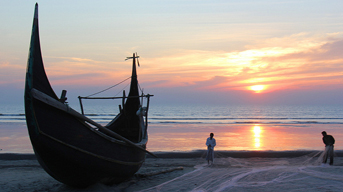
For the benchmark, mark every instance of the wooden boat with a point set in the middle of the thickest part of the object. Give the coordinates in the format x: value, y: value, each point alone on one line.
x: 72, y: 148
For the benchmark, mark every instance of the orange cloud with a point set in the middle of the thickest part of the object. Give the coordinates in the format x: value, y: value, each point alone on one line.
x: 293, y: 62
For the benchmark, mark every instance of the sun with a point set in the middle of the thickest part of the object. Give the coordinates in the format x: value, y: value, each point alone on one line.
x: 257, y: 88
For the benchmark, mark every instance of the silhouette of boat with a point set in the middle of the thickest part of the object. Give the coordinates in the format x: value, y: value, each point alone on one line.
x: 72, y: 148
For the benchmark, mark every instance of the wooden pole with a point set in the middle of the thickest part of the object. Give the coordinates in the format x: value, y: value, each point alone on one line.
x: 80, y: 100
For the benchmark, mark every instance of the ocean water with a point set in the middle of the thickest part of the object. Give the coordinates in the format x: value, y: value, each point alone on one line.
x: 247, y: 114
x: 208, y: 114
x: 185, y: 128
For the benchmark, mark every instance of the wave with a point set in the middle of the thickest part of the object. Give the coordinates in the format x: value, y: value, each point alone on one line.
x: 243, y: 122
x: 93, y: 114
x: 228, y: 118
x: 4, y: 115
x: 248, y: 120
x: 155, y: 119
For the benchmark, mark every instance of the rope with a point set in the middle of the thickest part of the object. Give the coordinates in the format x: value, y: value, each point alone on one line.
x: 122, y: 89
x: 139, y: 86
x: 109, y: 87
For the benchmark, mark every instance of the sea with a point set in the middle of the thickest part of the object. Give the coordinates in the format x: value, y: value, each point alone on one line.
x: 186, y: 127
x: 209, y: 114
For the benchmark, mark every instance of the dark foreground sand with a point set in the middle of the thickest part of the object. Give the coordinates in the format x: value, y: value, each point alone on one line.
x: 178, y: 171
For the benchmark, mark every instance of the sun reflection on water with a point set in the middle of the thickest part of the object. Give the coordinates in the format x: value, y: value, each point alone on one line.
x: 257, y: 135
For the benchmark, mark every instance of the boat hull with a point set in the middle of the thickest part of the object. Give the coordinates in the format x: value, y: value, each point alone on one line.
x: 71, y: 152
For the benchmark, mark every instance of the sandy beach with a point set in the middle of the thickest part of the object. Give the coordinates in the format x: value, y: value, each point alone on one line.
x: 188, y: 171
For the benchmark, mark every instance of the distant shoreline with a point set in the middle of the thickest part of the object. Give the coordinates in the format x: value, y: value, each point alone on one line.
x: 199, y: 154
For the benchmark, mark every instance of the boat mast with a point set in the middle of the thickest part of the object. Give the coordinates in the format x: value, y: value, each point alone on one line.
x: 134, y: 82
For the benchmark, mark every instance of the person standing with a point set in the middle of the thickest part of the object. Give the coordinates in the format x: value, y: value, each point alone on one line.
x: 328, y: 140
x: 211, y: 143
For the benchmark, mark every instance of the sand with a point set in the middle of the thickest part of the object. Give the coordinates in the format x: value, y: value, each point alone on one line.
x: 23, y: 173
x: 179, y: 171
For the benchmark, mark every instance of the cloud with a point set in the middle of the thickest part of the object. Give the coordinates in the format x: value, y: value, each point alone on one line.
x: 297, y: 66
x: 84, y: 71
x: 297, y: 62
x: 11, y: 73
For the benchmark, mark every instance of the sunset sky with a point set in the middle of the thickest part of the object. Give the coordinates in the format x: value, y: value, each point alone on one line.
x: 192, y: 51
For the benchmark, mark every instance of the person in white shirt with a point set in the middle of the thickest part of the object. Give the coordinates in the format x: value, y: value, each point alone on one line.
x: 211, y: 143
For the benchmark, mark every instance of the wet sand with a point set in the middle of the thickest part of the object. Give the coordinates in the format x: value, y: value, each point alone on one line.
x: 188, y: 171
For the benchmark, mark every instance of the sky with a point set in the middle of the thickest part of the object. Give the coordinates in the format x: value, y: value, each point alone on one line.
x: 191, y: 51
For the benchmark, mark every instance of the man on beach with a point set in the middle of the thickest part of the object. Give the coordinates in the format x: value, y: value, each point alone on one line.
x: 328, y: 141
x: 211, y: 143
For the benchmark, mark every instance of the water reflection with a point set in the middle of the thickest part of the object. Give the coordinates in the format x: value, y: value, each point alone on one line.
x: 187, y: 137
x: 241, y: 137
x: 257, y: 135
